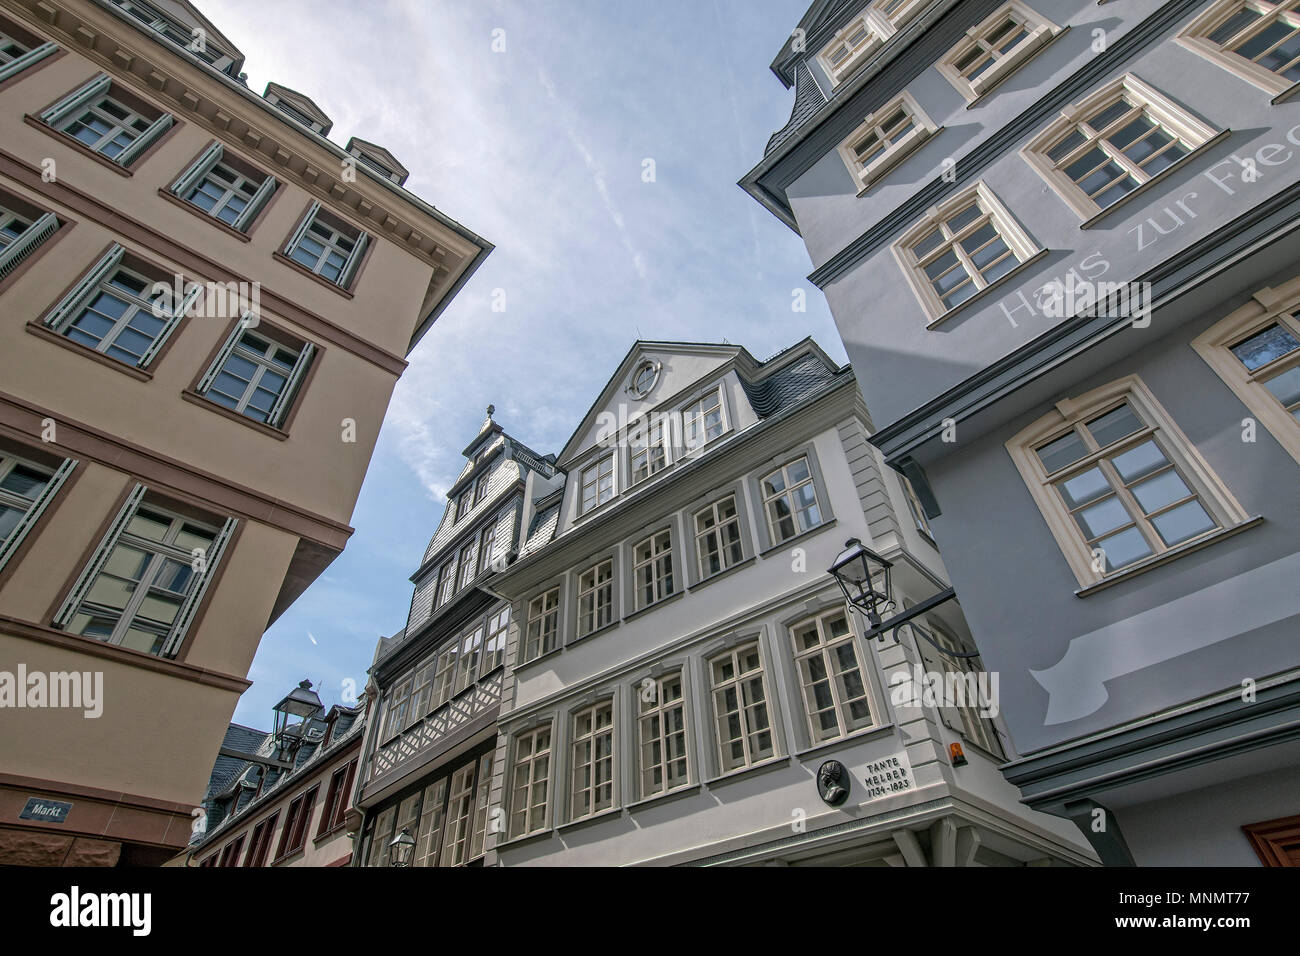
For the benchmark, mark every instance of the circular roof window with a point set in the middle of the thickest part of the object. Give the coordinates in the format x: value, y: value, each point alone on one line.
x: 643, y: 378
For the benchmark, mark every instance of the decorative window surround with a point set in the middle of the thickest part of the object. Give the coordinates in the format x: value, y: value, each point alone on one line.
x: 184, y: 37
x: 963, y: 717
x: 592, y: 761
x: 108, y: 121
x: 595, y: 598
x: 542, y: 626
x: 719, y: 544
x: 743, y: 724
x: 1252, y: 39
x: 257, y: 374
x: 1097, y: 152
x: 597, y: 485
x: 856, y: 43
x: 1157, y: 457
x: 995, y: 48
x: 530, y: 781
x: 663, y: 734
x: 1256, y: 351
x: 652, y: 561
x: 767, y: 497
x: 225, y: 188
x: 703, y: 421
x: 961, y: 248
x: 833, y: 686
x: 884, y: 139
x: 327, y: 247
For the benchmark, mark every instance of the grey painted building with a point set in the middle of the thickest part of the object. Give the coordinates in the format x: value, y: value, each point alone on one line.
x: 427, y: 764
x: 1112, y: 485
x: 680, y: 666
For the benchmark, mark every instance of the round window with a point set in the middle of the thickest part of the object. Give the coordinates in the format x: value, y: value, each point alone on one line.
x: 643, y: 379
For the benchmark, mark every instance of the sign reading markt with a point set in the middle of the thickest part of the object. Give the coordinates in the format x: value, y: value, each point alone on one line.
x: 888, y: 775
x: 48, y: 811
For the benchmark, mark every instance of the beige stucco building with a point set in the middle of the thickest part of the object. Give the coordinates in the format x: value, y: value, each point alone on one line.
x: 204, y: 307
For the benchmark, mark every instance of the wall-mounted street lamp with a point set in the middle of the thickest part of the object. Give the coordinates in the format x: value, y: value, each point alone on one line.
x: 400, y: 850
x: 865, y: 579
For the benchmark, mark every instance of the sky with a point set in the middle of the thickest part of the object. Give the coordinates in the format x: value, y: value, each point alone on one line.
x: 531, y: 122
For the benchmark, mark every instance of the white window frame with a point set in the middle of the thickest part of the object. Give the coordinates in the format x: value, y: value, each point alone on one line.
x: 1196, y: 36
x: 879, y: 23
x: 200, y: 172
x: 656, y: 720
x: 291, y: 371
x: 457, y: 825
x: 494, y: 644
x: 592, y: 583
x: 30, y: 508
x: 737, y: 683
x: 1196, y: 474
x: 1176, y: 122
x: 1012, y: 234
x: 526, y: 780
x: 1267, y: 307
x: 99, y: 99
x: 1039, y: 32
x: 592, y: 477
x: 787, y: 491
x: 874, y: 125
x: 17, y: 62
x: 351, y: 248
x: 825, y: 654
x: 716, y: 529
x: 658, y: 579
x: 695, y: 415
x: 544, y: 615
x: 590, y: 770
x: 648, y: 443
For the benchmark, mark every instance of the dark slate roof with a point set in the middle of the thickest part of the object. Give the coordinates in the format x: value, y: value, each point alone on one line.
x: 808, y: 99
x: 788, y: 385
x: 226, y: 769
x: 541, y: 530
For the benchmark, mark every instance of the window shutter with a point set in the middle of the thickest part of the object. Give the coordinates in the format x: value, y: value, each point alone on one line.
x: 354, y: 261
x: 10, y: 544
x: 32, y: 237
x: 200, y: 168
x: 146, y: 139
x: 295, y: 378
x: 215, y: 368
x: 255, y: 204
x: 14, y: 67
x: 303, y: 226
x: 98, y: 559
x: 76, y: 99
x: 69, y: 303
x: 185, y: 615
x: 192, y: 295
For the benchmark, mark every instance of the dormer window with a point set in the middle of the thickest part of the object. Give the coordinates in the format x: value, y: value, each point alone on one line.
x: 852, y: 46
x: 464, y: 502
x: 702, y: 420
x: 597, y: 484
x: 294, y: 113
x: 298, y: 108
x: 196, y: 41
x: 378, y: 159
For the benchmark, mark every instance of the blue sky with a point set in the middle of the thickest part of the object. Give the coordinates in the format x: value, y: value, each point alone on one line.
x: 539, y: 149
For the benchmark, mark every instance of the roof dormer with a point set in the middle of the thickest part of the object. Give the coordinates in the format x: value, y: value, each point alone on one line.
x: 299, y: 108
x: 378, y: 159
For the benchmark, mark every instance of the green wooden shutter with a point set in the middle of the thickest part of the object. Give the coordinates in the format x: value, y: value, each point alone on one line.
x: 99, y: 558
x: 229, y: 346
x: 16, y: 66
x: 303, y: 226
x: 198, y: 169
x: 73, y: 300
x: 354, y: 261
x: 10, y: 544
x: 188, y: 608
x: 76, y: 99
x: 285, y: 400
x: 255, y: 203
x: 24, y: 245
x: 192, y: 295
x: 146, y: 139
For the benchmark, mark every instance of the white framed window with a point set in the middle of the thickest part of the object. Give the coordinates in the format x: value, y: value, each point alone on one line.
x: 487, y: 547
x: 914, y: 505
x: 1258, y: 40
x: 256, y: 376
x: 740, y: 710
x: 995, y: 48
x: 964, y: 713
x: 885, y: 137
x: 471, y: 652
x: 399, y: 708
x: 422, y: 689
x: 225, y: 187
x: 297, y: 115
x: 648, y: 452
x: 835, y: 695
x: 428, y: 839
x: 857, y: 42
x: 663, y: 763
x: 482, y: 794
x: 790, y: 500
x: 194, y: 41
x: 652, y: 568
x: 447, y: 582
x: 959, y: 249
x: 597, y: 484
x: 460, y: 814
x: 494, y: 648
x: 1117, y: 482
x: 541, y: 636
x: 717, y: 537
x: 592, y: 761
x: 327, y: 246
x: 142, y: 586
x: 26, y: 489
x: 464, y: 504
x: 703, y: 420
x: 530, y: 781
x: 468, y: 564
x: 444, y: 673
x: 1256, y: 351
x: 1111, y: 143
x: 595, y: 597
x: 108, y: 121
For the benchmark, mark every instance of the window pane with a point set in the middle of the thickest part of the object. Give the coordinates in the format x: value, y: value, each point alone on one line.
x: 1064, y: 451
x: 1286, y: 387
x: 1263, y: 347
x: 1183, y: 523
x: 1107, y: 515
x: 1114, y: 425
x: 1124, y: 548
